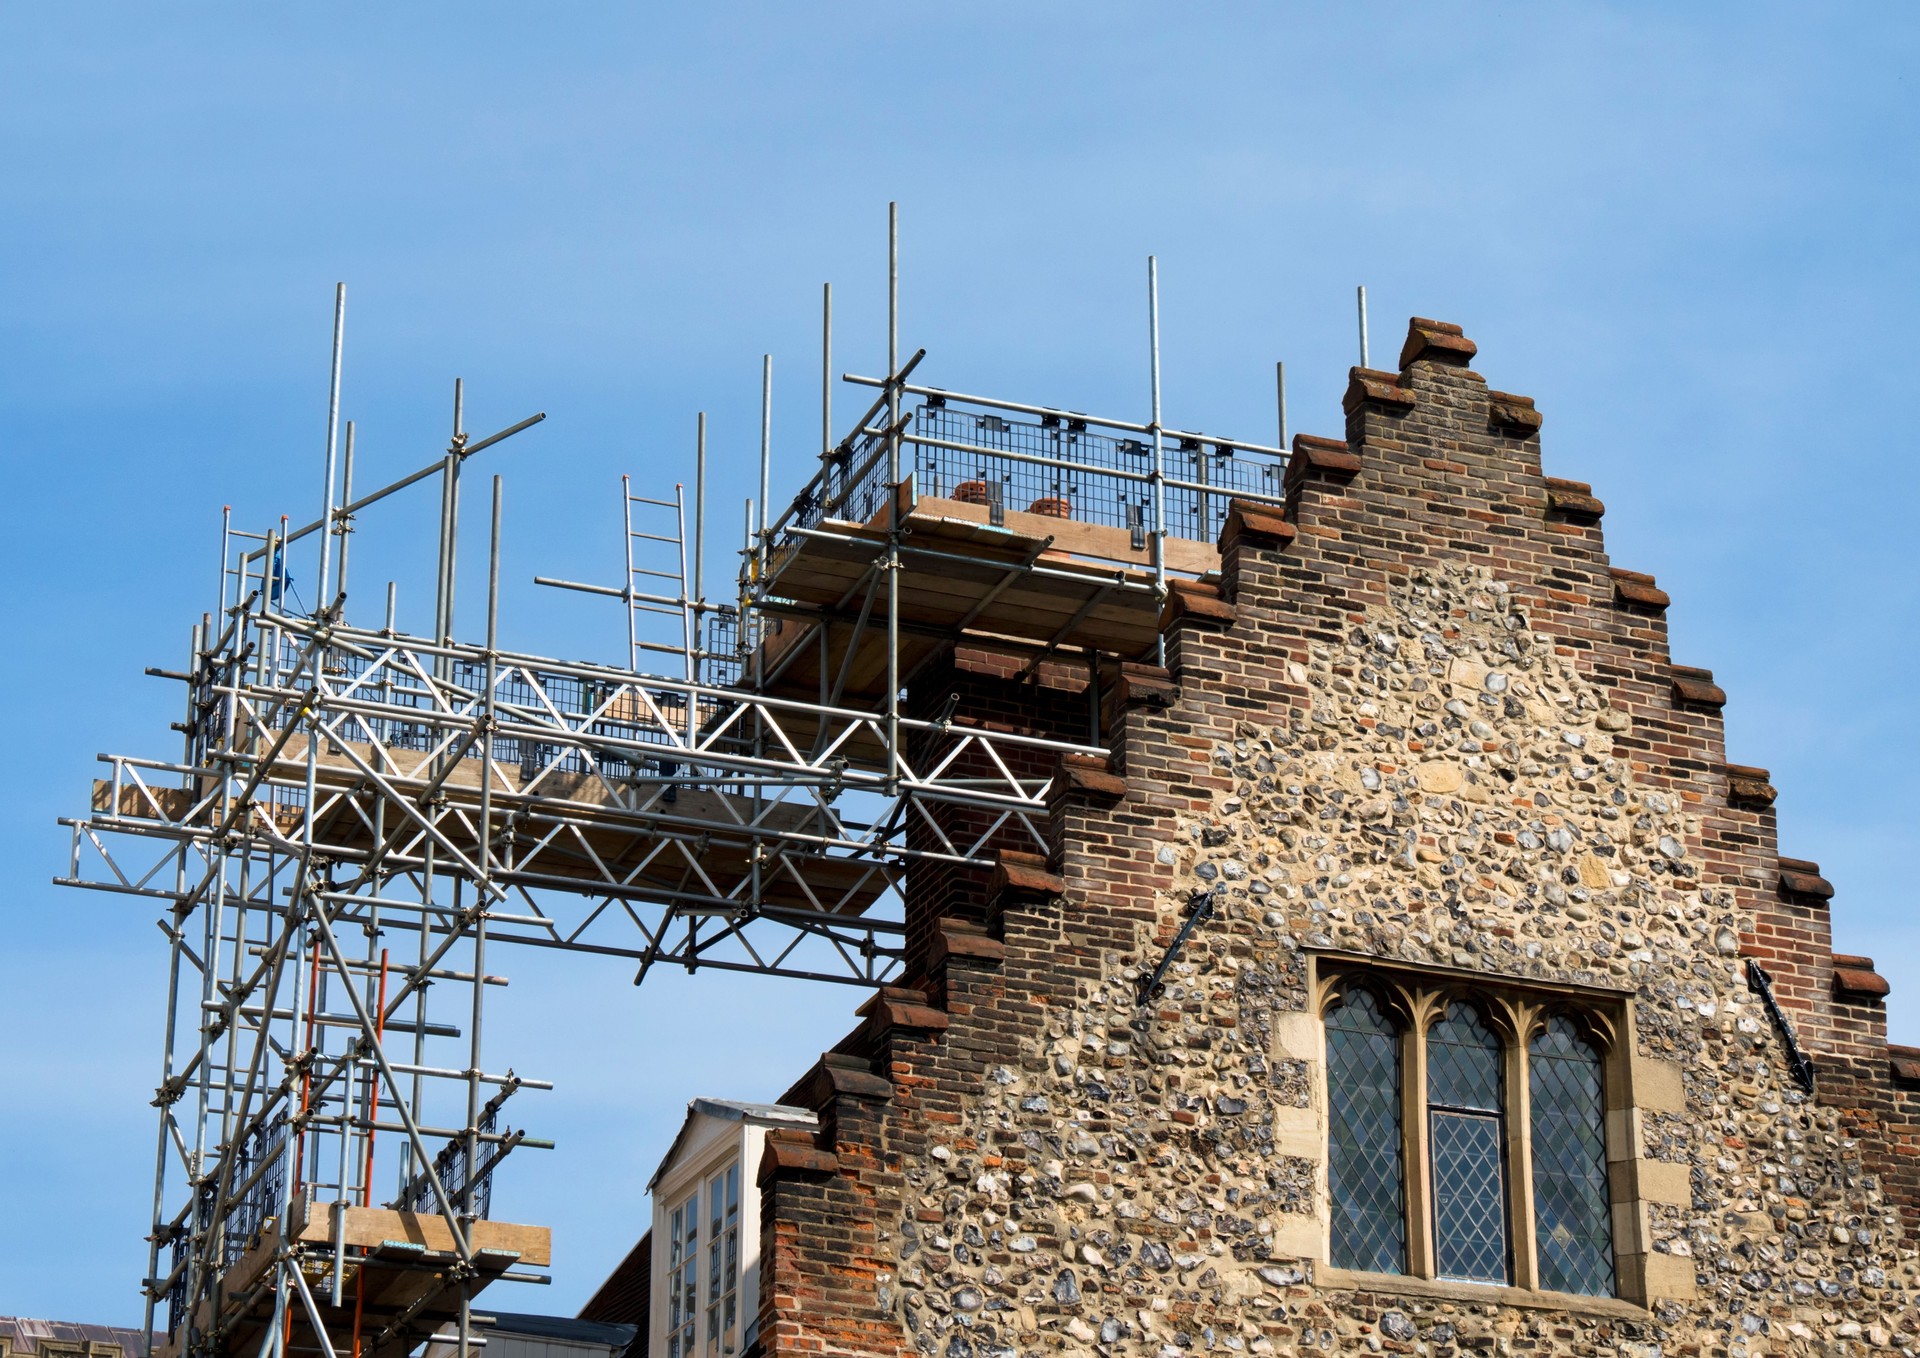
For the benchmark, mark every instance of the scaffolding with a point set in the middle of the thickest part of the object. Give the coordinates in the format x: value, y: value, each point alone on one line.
x: 359, y: 818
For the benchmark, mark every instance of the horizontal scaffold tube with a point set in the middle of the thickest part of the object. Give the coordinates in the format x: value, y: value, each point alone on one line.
x: 1116, y: 473
x: 1021, y: 408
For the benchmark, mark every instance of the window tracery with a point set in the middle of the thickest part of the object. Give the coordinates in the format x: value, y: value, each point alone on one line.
x: 1467, y: 1131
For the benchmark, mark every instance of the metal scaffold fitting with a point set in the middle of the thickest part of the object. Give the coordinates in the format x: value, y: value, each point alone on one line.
x: 360, y: 818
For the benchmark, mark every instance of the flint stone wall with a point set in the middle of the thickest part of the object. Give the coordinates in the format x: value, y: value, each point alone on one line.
x: 1421, y: 719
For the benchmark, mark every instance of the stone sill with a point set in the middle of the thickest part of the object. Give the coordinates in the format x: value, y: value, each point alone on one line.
x: 1472, y: 1294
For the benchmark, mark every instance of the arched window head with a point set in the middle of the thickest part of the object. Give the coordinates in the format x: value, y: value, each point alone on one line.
x: 1573, y: 1220
x: 1466, y: 1123
x: 1463, y: 1061
x: 1364, y: 1146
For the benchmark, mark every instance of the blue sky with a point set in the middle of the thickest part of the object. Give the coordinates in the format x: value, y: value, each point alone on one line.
x: 1686, y: 231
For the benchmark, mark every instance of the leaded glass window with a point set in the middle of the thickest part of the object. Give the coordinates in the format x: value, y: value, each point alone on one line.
x: 1491, y: 1167
x: 1467, y: 1131
x: 1364, y: 1159
x: 1572, y: 1217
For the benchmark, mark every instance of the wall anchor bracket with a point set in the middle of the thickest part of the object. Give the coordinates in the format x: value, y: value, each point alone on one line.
x: 1797, y: 1060
x: 1199, y: 910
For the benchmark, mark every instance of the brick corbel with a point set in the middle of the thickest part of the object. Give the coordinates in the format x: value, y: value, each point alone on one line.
x: 1020, y: 882
x: 1905, y: 1063
x: 1022, y: 878
x: 1256, y: 524
x: 1512, y: 414
x: 794, y: 1153
x: 1574, y: 499
x: 1139, y: 683
x: 1195, y: 601
x: 1366, y: 385
x: 967, y: 941
x: 1088, y: 775
x: 841, y: 1075
x: 895, y: 1008
x: 1635, y: 589
x: 1436, y: 342
x: 1314, y: 456
x: 1801, y: 877
x: 1750, y: 786
x: 1855, y: 980
x: 1695, y: 686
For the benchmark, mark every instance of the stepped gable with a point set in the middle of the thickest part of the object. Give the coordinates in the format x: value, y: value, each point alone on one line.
x: 1423, y: 726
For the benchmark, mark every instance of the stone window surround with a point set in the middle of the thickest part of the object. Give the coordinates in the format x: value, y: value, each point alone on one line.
x: 1634, y: 1084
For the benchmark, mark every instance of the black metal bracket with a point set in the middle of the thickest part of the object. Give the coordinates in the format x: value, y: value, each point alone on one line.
x: 1199, y: 910
x: 1762, y: 985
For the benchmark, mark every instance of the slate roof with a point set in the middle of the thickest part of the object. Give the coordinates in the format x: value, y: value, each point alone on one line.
x: 23, y: 1335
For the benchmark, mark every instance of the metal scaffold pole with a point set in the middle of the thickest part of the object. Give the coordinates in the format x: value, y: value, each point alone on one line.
x: 766, y: 453
x: 343, y: 525
x: 892, y: 566
x: 826, y: 371
x: 1280, y: 392
x: 359, y: 819
x: 700, y: 531
x: 333, y: 426
x: 1159, y: 484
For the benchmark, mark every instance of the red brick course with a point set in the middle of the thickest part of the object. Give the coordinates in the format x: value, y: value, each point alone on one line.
x: 1434, y: 467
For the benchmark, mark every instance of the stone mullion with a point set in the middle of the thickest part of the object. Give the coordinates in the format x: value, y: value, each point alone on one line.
x: 1415, y: 1158
x: 1520, y: 1204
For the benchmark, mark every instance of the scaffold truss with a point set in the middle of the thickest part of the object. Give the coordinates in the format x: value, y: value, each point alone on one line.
x: 359, y: 818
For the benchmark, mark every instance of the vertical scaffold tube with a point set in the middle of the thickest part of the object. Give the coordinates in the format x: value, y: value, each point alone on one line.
x: 699, y: 528
x: 366, y: 1175
x: 893, y: 498
x: 289, y: 1146
x: 1280, y: 389
x: 482, y: 902
x: 226, y: 544
x: 450, y: 518
x: 320, y: 600
x: 489, y: 708
x: 766, y: 454
x: 826, y: 380
x: 626, y: 539
x: 157, y: 1237
x: 689, y: 626
x: 1159, y: 464
x: 744, y: 638
x: 344, y: 527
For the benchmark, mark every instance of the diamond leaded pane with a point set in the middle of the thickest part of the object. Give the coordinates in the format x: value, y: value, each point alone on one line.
x: 1463, y: 1061
x: 1469, y: 1201
x: 1466, y: 1129
x: 1572, y: 1220
x: 1363, y: 1163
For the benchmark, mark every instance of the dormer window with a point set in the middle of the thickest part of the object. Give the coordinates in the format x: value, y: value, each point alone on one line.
x: 705, y: 1243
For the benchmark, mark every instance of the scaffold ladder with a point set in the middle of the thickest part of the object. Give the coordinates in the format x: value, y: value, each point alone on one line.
x: 641, y: 598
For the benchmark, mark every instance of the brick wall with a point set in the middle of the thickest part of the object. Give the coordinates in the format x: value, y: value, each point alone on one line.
x: 1017, y: 1154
